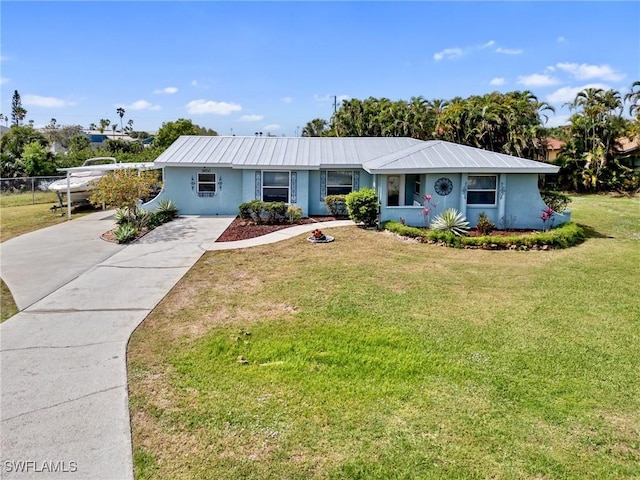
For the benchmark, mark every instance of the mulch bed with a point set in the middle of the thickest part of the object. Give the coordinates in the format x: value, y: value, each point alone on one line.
x: 241, y: 229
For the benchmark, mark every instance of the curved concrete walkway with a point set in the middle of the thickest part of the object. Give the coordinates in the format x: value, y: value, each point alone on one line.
x: 63, y: 377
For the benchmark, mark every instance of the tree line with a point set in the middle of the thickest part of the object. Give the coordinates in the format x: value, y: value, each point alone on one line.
x: 510, y: 123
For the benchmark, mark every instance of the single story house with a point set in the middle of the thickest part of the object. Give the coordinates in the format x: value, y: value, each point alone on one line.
x: 214, y: 175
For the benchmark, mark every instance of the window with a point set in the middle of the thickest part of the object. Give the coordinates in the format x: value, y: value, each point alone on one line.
x: 417, y: 186
x: 481, y: 190
x: 275, y: 187
x: 339, y: 182
x: 206, y: 184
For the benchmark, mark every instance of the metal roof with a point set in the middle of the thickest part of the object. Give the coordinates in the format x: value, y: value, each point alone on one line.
x: 303, y: 153
x: 374, y: 154
x: 436, y: 156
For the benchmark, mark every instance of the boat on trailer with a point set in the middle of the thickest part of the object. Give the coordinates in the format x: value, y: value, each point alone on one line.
x: 81, y: 181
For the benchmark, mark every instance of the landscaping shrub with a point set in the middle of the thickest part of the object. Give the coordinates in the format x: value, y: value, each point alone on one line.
x: 564, y: 236
x: 167, y: 210
x: 485, y: 226
x: 125, y: 233
x: 558, y: 201
x: 276, y: 211
x: 268, y: 212
x: 336, y: 204
x: 294, y: 213
x: 363, y: 206
x: 451, y: 221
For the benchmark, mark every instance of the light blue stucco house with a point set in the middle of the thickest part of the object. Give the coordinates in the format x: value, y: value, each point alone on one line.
x: 214, y: 175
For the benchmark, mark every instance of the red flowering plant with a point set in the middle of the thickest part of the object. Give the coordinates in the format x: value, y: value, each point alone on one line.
x: 318, y: 235
x: 428, y: 207
x: 547, y: 218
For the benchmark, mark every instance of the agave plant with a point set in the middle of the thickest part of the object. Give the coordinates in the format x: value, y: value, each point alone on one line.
x: 167, y: 210
x: 122, y: 216
x: 451, y: 221
x: 125, y: 233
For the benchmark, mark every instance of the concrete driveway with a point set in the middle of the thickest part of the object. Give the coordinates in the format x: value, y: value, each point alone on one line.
x: 64, y: 406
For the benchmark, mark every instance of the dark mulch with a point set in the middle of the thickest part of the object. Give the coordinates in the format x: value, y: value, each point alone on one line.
x: 241, y: 229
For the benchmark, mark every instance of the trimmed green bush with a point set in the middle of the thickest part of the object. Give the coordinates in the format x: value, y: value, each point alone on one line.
x: 363, y: 206
x: 267, y: 212
x: 336, y: 204
x: 564, y: 236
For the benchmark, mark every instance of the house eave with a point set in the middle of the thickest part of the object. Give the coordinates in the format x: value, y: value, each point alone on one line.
x: 487, y: 170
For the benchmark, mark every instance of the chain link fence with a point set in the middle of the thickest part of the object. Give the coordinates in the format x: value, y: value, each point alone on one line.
x: 26, y: 190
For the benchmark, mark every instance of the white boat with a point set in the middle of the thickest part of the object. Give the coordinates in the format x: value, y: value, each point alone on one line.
x: 79, y: 184
x: 81, y: 181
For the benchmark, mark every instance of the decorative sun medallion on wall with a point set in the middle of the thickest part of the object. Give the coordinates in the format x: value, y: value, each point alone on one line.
x: 443, y: 186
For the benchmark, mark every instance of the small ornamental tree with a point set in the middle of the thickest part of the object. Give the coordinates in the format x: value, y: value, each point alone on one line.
x: 363, y: 206
x: 123, y: 189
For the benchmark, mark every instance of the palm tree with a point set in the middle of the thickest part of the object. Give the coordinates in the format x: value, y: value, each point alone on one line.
x: 114, y: 127
x: 315, y: 128
x: 120, y: 112
x: 104, y: 123
x: 633, y: 97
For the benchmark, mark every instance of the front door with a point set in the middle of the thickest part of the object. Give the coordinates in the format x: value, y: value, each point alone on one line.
x: 393, y: 190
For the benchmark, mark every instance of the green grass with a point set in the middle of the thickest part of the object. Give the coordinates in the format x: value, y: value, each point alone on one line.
x: 8, y: 307
x: 371, y: 357
x: 29, y: 198
x: 20, y: 219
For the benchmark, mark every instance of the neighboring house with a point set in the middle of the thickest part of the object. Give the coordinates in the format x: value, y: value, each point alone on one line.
x: 629, y: 151
x: 214, y: 175
x: 553, y: 149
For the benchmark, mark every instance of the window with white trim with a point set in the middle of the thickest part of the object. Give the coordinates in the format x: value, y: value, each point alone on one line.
x: 339, y: 182
x: 416, y: 186
x: 207, y: 184
x: 482, y: 189
x: 275, y: 186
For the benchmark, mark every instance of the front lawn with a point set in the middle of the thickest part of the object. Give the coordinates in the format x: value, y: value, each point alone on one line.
x: 373, y: 357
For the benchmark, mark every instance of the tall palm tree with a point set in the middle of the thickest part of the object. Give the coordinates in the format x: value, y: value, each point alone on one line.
x: 120, y: 112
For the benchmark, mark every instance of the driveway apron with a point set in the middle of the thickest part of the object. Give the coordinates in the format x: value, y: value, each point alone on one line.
x: 64, y: 405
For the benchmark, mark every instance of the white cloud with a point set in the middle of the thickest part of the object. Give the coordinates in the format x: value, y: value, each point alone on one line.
x: 140, y: 105
x: 49, y: 102
x: 557, y: 121
x: 287, y: 99
x: 448, y: 53
x: 194, y: 83
x: 561, y: 40
x: 509, y: 51
x: 537, y: 80
x: 3, y: 80
x: 251, y: 118
x: 568, y: 94
x: 497, y: 81
x: 490, y: 43
x: 588, y: 72
x: 329, y: 98
x: 168, y: 90
x: 273, y: 126
x: 204, y: 107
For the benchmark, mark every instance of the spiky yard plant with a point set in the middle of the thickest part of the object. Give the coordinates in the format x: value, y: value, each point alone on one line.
x: 452, y: 221
x: 167, y: 210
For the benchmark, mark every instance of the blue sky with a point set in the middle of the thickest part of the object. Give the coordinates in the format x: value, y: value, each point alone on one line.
x: 243, y: 67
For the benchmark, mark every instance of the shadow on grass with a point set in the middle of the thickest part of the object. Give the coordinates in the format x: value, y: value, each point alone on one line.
x: 590, y: 232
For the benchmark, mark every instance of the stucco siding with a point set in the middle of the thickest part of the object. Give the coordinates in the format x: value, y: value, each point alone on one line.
x: 180, y: 186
